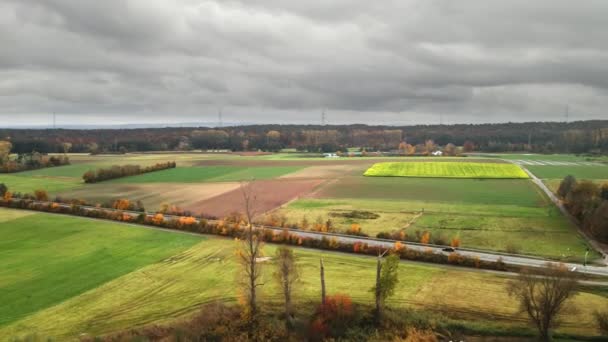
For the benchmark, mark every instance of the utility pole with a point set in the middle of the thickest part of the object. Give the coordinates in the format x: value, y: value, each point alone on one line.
x: 567, y: 112
x: 54, y: 120
x: 441, y: 119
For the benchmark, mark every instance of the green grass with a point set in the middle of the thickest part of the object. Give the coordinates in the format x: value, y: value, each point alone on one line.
x: 474, y: 191
x: 67, y: 171
x: 559, y: 172
x: 209, y: 174
x: 18, y: 183
x: 46, y: 259
x: 446, y: 170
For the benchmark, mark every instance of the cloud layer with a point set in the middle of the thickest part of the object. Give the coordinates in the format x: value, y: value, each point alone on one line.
x: 269, y: 61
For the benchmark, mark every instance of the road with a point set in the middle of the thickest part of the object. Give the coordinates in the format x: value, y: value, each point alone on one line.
x: 509, y: 259
x: 597, y: 246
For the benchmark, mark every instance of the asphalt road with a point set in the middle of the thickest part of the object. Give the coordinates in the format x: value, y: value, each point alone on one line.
x: 510, y: 259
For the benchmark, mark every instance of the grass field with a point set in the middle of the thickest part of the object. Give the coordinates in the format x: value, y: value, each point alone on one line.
x: 46, y: 259
x: 446, y: 170
x: 23, y: 184
x: 209, y: 174
x: 559, y: 172
x: 473, y: 191
x: 204, y: 272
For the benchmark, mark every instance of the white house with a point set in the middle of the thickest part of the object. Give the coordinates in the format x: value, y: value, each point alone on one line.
x: 330, y: 155
x: 437, y: 153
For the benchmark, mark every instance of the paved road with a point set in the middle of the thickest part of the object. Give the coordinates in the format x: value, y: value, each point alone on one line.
x: 597, y: 246
x: 510, y: 259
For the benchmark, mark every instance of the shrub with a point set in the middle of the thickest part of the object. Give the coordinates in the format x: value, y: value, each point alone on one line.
x: 333, y: 317
x: 3, y: 189
x: 602, y: 321
x: 357, y: 214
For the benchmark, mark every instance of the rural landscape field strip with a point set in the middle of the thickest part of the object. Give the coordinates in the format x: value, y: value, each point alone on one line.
x: 46, y: 259
x: 579, y: 172
x: 446, y: 170
x: 176, y: 285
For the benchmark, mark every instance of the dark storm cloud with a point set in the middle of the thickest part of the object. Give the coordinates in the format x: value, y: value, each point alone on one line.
x: 394, y: 62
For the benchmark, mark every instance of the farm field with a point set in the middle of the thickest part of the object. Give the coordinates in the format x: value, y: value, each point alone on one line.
x: 446, y: 170
x: 506, y: 228
x: 496, y: 214
x: 46, y: 259
x: 579, y: 171
x: 202, y: 270
x: 207, y: 174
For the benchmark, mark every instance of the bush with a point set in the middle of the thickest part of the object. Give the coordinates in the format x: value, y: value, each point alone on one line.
x: 333, y: 317
x: 602, y: 321
x: 3, y: 189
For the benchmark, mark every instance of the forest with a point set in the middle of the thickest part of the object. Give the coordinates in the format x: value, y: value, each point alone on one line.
x: 539, y: 137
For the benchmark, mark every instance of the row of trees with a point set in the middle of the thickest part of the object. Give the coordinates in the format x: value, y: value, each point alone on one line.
x: 27, y: 160
x: 542, y: 137
x: 588, y: 202
x: 119, y: 171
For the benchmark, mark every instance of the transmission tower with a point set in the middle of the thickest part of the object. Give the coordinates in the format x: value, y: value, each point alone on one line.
x: 323, y: 117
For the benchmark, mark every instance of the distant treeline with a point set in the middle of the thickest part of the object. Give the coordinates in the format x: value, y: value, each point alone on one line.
x: 118, y: 171
x: 541, y: 137
x: 588, y: 202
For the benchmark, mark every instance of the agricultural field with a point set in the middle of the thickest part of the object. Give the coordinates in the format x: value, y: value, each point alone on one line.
x: 446, y: 170
x: 138, y: 276
x: 502, y: 214
x: 46, y: 259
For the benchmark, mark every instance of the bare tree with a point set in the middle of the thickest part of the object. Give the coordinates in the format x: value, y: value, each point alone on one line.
x: 323, y: 293
x: 248, y: 253
x: 386, y: 280
x: 543, y: 296
x: 287, y: 274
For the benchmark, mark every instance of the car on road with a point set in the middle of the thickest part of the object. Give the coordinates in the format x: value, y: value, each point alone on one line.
x: 449, y: 249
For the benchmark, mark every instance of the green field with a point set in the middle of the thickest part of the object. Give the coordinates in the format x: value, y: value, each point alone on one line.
x: 209, y: 174
x: 24, y: 184
x: 446, y: 170
x: 46, y: 259
x: 559, y: 172
x: 137, y: 283
x: 473, y: 191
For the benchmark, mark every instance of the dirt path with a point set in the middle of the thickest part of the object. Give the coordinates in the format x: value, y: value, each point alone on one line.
x: 600, y: 247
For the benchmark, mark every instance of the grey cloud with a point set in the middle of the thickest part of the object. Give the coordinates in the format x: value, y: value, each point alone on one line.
x: 278, y: 61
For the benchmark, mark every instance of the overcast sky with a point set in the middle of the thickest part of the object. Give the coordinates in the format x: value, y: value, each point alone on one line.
x: 277, y: 61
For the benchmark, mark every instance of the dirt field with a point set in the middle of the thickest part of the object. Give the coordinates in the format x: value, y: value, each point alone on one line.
x: 327, y: 171
x: 269, y: 194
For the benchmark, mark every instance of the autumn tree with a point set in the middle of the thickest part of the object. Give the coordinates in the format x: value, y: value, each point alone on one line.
x: 66, y: 146
x: 468, y: 146
x: 450, y: 149
x: 5, y: 150
x: 566, y: 186
x: 429, y: 146
x: 286, y: 274
x: 248, y: 253
x: 41, y: 195
x: 543, y: 296
x: 386, y: 280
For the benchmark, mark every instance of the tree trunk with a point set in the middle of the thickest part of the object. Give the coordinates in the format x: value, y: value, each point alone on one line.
x: 288, y: 316
x: 378, y: 290
x: 322, y: 283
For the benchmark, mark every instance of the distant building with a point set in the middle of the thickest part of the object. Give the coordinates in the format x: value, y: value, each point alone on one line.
x: 331, y: 155
x: 437, y: 153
